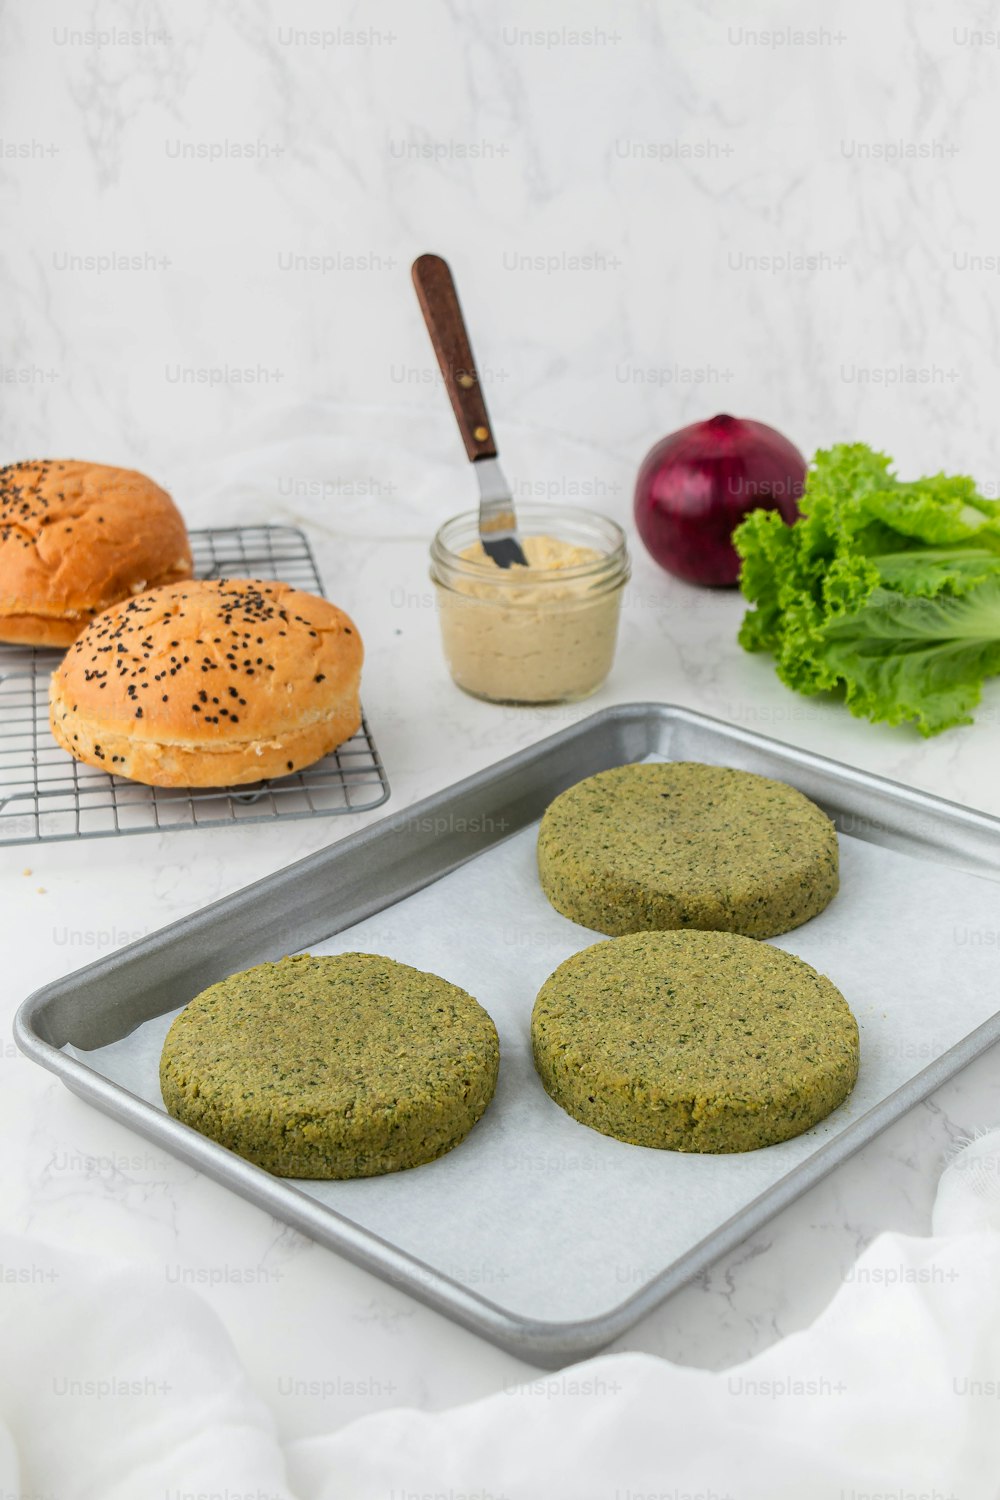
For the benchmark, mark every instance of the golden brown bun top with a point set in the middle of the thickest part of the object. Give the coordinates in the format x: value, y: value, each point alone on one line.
x: 75, y: 537
x: 212, y: 659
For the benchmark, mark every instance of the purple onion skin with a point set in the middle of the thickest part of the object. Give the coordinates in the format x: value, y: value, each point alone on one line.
x: 695, y: 487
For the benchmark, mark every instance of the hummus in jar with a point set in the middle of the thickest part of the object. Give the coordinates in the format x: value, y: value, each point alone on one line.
x: 544, y: 633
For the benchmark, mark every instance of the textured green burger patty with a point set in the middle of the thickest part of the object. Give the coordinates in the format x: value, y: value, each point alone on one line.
x: 331, y: 1067
x: 693, y: 1041
x: 650, y: 847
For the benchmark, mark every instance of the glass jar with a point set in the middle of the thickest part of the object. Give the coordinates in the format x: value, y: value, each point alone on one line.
x: 541, y: 634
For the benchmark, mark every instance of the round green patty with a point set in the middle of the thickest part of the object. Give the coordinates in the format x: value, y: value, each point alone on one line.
x: 331, y: 1067
x: 693, y: 1041
x: 650, y: 847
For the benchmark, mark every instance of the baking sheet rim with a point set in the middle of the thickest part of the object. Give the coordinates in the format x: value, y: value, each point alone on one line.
x: 545, y: 1343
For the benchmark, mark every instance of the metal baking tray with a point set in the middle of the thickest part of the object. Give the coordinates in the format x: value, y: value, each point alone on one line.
x: 381, y: 867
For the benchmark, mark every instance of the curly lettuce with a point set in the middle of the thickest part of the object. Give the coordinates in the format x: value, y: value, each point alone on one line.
x: 885, y: 591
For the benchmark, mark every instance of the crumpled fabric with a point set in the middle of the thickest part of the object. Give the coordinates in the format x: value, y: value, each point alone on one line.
x: 115, y: 1388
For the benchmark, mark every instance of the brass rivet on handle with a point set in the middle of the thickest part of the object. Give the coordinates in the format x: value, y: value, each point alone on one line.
x: 466, y: 381
x: 481, y: 434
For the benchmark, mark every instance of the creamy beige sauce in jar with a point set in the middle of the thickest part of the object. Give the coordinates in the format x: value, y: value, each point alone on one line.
x: 544, y: 633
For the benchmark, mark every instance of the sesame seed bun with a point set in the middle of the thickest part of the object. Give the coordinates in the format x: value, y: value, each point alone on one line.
x: 76, y: 537
x: 217, y: 682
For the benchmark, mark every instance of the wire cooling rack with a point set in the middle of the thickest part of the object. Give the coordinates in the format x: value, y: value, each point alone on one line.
x: 45, y: 794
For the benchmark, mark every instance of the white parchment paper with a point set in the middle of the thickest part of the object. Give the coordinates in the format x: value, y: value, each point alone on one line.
x: 553, y: 1221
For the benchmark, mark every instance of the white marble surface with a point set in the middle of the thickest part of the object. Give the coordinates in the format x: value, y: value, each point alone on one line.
x: 676, y: 146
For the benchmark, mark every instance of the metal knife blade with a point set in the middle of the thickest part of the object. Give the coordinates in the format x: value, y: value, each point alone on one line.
x: 497, y: 521
x: 435, y: 288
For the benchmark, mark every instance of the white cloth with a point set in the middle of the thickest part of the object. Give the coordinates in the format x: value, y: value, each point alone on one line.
x: 113, y: 1388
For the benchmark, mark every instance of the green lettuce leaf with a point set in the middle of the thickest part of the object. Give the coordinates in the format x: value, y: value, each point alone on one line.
x: 888, y: 592
x: 903, y: 658
x: 933, y: 571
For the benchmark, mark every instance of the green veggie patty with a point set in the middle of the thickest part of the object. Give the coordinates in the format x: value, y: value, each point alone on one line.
x: 350, y: 1066
x: 651, y: 847
x: 693, y: 1041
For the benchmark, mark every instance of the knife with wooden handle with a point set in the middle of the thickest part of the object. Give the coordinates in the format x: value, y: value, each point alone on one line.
x: 439, y: 303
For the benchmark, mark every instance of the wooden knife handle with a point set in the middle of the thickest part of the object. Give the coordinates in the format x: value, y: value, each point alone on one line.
x: 446, y: 326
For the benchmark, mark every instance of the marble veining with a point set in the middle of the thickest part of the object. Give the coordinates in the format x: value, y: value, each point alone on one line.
x: 654, y: 213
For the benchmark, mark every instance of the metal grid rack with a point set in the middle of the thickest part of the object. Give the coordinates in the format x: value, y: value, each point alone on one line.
x: 46, y: 795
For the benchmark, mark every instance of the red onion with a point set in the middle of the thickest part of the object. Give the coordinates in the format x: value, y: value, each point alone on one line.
x: 695, y: 487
